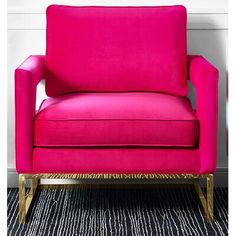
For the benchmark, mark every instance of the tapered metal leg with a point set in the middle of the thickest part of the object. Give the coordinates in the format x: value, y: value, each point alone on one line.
x: 207, y: 201
x: 25, y: 200
x: 210, y: 197
x: 22, y: 199
x: 34, y: 184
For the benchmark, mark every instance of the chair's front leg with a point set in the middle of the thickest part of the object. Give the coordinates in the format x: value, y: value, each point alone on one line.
x: 26, y: 199
x: 22, y: 199
x: 210, y: 197
x: 207, y: 201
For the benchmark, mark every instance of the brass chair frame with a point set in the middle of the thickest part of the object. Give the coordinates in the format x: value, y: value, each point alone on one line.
x: 206, y: 200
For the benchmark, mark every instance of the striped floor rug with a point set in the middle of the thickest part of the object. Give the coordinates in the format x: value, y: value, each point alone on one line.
x: 93, y: 211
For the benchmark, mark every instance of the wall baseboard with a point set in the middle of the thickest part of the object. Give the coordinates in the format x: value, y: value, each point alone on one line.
x: 221, y: 179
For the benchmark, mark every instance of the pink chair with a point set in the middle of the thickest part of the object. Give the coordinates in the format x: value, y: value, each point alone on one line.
x: 117, y: 82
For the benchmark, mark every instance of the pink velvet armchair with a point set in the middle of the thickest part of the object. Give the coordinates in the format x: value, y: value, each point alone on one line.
x: 117, y: 84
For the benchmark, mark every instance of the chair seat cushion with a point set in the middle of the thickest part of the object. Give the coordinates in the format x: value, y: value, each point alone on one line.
x: 116, y: 119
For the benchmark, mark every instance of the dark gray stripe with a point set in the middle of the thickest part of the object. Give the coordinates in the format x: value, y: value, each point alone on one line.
x: 124, y: 212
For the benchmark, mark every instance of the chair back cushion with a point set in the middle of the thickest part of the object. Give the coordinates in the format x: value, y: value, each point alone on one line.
x: 101, y: 49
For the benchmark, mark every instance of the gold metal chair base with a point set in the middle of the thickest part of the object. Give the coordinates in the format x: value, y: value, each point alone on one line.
x: 206, y: 200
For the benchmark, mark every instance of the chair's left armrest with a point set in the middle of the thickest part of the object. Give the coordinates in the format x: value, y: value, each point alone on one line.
x: 204, y: 77
x: 27, y: 76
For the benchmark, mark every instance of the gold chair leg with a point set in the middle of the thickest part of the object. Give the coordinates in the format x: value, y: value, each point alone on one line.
x: 207, y: 201
x: 34, y: 184
x: 25, y: 200
x: 22, y: 199
x: 210, y: 197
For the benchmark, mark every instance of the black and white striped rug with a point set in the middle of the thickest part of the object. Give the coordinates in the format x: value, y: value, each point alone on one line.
x: 94, y: 211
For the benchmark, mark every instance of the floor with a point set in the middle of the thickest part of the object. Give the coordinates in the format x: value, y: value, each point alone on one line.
x: 118, y: 211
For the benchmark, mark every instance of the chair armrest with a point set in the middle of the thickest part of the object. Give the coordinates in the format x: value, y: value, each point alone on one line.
x: 204, y: 77
x: 27, y: 76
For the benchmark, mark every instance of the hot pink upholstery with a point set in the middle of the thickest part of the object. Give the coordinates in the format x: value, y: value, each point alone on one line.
x: 27, y: 76
x: 115, y: 160
x: 204, y: 77
x: 131, y: 81
x: 106, y: 49
x: 120, y: 119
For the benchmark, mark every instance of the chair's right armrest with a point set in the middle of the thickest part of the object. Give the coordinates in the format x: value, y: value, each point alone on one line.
x: 204, y: 77
x: 27, y: 76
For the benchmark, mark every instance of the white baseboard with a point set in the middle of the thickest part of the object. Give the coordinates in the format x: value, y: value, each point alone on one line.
x: 12, y: 178
x: 221, y: 179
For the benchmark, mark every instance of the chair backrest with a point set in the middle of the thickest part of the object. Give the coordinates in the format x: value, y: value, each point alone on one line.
x: 116, y: 49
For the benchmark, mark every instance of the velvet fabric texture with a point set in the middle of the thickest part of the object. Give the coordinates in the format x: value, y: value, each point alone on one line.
x: 204, y: 77
x: 118, y: 119
x: 27, y: 76
x: 116, y: 49
x: 115, y: 160
x: 107, y: 124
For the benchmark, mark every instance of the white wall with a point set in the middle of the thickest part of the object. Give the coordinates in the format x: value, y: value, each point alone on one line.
x: 207, y: 35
